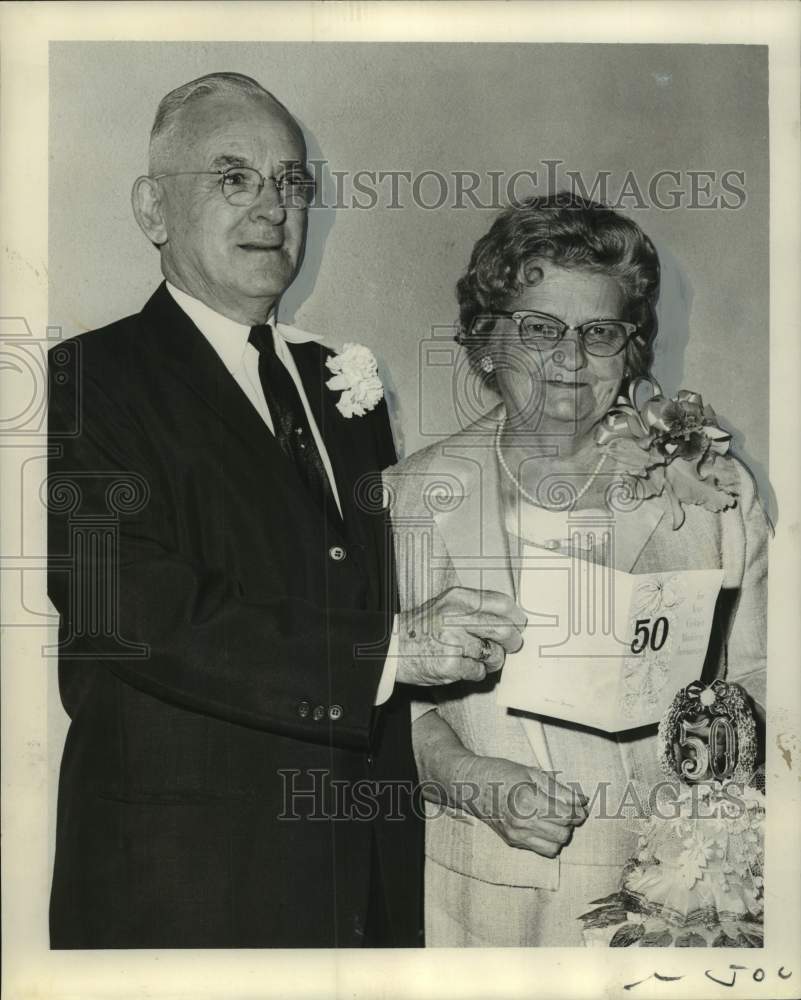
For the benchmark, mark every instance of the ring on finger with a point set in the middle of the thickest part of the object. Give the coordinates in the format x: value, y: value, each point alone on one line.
x: 486, y: 650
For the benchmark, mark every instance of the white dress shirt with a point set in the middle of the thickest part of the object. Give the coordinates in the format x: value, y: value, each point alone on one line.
x: 230, y: 341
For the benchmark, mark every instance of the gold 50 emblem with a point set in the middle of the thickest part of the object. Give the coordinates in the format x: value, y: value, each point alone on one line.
x: 708, y: 733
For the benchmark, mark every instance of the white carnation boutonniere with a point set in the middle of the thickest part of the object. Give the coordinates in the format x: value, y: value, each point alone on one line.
x: 356, y: 377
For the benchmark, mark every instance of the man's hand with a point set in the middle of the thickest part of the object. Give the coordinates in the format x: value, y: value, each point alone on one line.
x: 526, y: 807
x: 460, y: 635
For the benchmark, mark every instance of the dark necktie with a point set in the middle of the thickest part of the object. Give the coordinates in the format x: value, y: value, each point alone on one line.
x: 290, y: 423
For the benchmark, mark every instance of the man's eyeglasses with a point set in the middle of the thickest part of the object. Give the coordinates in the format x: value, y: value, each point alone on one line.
x: 600, y: 337
x: 241, y: 186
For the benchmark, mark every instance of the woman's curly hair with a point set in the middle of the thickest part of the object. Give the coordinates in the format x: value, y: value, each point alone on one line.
x: 572, y: 232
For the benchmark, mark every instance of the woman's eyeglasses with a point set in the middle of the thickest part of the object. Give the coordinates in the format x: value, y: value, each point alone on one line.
x: 599, y: 337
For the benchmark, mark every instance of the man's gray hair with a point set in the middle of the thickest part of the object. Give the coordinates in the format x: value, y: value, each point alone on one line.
x: 211, y: 85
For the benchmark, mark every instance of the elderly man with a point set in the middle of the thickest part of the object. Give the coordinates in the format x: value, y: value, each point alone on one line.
x: 240, y: 735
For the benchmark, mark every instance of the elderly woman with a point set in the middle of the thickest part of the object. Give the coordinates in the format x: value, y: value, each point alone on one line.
x: 558, y: 314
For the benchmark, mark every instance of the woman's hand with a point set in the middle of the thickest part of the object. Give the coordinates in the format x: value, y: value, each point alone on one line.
x: 525, y: 806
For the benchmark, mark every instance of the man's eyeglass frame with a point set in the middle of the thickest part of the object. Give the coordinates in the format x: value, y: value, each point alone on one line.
x: 243, y: 199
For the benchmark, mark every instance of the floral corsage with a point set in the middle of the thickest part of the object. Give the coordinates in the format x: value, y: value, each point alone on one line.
x: 674, y: 448
x: 356, y: 376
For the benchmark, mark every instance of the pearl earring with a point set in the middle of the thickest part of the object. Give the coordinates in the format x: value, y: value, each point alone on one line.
x: 487, y: 364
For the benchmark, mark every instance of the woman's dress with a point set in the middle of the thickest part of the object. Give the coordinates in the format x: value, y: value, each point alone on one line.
x: 451, y: 529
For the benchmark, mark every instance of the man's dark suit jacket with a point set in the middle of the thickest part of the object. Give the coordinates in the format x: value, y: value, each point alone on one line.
x: 179, y: 530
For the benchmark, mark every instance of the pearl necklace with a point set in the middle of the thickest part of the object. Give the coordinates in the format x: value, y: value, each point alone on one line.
x: 521, y: 489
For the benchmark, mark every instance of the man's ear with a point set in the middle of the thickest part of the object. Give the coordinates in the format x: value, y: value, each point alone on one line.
x: 148, y: 210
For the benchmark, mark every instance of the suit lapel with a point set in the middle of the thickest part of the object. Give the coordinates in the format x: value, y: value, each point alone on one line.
x: 309, y: 359
x: 472, y: 524
x: 195, y: 363
x: 352, y: 452
x: 346, y: 449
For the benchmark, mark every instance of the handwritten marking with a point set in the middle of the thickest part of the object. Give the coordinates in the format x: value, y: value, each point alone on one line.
x: 662, y: 979
x: 722, y: 982
x: 758, y: 976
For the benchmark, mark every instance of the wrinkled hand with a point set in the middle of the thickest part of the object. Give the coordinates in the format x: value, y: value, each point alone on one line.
x: 440, y: 641
x: 525, y: 806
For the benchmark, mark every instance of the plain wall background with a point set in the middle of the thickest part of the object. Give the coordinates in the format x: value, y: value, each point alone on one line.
x: 385, y: 277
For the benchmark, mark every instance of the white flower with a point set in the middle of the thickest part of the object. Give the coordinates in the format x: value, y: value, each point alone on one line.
x: 356, y: 376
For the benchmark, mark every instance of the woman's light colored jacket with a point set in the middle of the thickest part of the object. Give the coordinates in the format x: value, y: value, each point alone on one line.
x: 448, y: 529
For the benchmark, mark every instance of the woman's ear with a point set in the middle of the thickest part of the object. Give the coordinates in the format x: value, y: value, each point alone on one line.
x: 530, y: 272
x: 149, y: 210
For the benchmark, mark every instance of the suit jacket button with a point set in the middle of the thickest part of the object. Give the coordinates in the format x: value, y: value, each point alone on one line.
x: 318, y: 713
x: 335, y: 712
x: 370, y: 760
x: 337, y: 553
x: 303, y: 709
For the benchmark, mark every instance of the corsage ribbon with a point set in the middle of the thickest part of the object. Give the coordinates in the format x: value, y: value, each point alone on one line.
x: 672, y: 447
